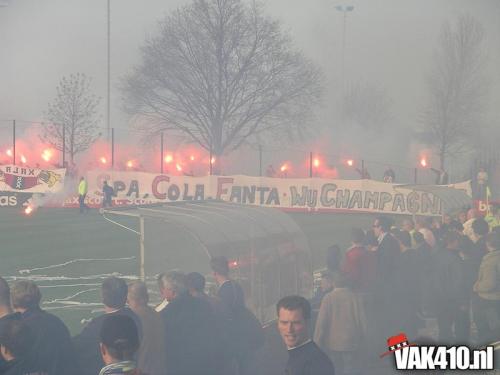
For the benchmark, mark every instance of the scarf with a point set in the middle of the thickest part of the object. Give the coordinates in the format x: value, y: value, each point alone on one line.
x: 118, y: 368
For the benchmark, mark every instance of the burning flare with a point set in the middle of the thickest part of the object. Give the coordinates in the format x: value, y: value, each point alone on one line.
x: 28, y: 210
x: 23, y: 159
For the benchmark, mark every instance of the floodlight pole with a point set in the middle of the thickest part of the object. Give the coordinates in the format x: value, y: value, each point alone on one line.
x: 141, y: 255
x: 415, y: 177
x: 112, y: 148
x: 260, y: 160
x: 64, y: 146
x: 14, y: 142
x: 310, y: 165
x: 161, y: 153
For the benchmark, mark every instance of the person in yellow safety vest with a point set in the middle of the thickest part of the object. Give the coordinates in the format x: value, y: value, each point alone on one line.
x: 82, y: 192
x: 493, y: 217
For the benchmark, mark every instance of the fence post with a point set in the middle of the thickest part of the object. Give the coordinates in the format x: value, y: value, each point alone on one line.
x: 14, y: 142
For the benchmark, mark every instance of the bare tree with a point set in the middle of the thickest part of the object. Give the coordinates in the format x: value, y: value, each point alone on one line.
x: 220, y: 72
x: 367, y: 106
x: 457, y: 89
x: 72, y: 116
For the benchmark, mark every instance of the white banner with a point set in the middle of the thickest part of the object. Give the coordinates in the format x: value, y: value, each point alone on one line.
x: 15, y: 178
x: 305, y: 194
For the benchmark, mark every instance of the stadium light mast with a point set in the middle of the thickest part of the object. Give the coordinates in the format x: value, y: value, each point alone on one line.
x: 108, y: 92
x: 344, y: 9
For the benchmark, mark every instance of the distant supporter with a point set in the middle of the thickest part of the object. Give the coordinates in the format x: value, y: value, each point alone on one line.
x: 114, y: 296
x: 341, y: 326
x: 480, y: 228
x: 151, y: 353
x: 161, y: 287
x: 449, y: 292
x: 193, y: 343
x: 53, y: 351
x: 422, y: 226
x: 408, y: 294
x: 304, y: 356
x: 409, y: 226
x: 6, y: 312
x: 360, y: 265
x: 196, y: 287
x: 107, y: 192
x: 486, y: 301
x: 389, y: 175
x: 472, y: 214
x: 119, y: 342
x: 326, y: 286
x: 493, y: 217
x: 17, y: 341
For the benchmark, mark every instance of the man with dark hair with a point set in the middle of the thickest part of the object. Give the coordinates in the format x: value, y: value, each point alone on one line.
x: 151, y: 354
x: 53, y: 351
x: 480, y: 228
x: 305, y: 357
x: 191, y: 337
x: 16, y: 344
x: 388, y: 253
x: 230, y: 292
x: 118, y: 343
x: 241, y: 331
x: 107, y: 195
x: 6, y: 312
x: 114, y: 296
x: 195, y: 283
x: 449, y: 291
x: 408, y: 292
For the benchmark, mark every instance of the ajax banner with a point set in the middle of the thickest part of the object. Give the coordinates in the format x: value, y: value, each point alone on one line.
x: 15, y: 178
x: 308, y: 194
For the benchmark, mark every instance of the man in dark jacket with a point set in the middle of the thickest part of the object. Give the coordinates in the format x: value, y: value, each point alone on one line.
x: 191, y: 337
x: 388, y: 255
x: 6, y: 312
x: 16, y: 346
x: 304, y: 356
x: 114, y: 296
x: 449, y: 291
x: 241, y: 331
x: 52, y: 351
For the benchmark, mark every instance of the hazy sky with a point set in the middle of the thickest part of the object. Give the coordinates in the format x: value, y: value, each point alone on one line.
x: 389, y: 43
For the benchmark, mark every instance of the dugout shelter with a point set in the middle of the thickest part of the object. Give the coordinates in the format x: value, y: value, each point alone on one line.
x: 267, y: 251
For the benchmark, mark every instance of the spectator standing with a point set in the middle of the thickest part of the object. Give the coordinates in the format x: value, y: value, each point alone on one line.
x: 107, y: 193
x: 449, y: 291
x: 151, y: 353
x: 114, y: 296
x: 360, y: 265
x: 389, y: 175
x: 83, y: 188
x: 422, y: 226
x: 304, y: 356
x: 161, y: 288
x: 341, y: 327
x: 409, y: 226
x: 196, y: 287
x: 242, y: 332
x: 192, y: 343
x: 16, y: 345
x: 53, y: 351
x: 6, y: 312
x: 118, y: 342
x: 486, y: 301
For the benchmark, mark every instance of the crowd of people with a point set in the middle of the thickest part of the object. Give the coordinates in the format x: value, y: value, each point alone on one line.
x: 188, y: 333
x: 392, y: 279
x: 396, y: 278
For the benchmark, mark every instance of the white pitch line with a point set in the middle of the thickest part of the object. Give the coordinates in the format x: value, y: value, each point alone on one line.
x: 70, y: 262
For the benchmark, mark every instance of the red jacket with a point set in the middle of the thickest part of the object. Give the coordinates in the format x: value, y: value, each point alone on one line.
x: 360, y: 266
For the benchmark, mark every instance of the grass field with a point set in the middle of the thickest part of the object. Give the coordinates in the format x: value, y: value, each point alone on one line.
x: 69, y: 254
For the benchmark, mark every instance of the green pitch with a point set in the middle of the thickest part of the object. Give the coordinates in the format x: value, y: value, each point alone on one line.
x: 69, y: 254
